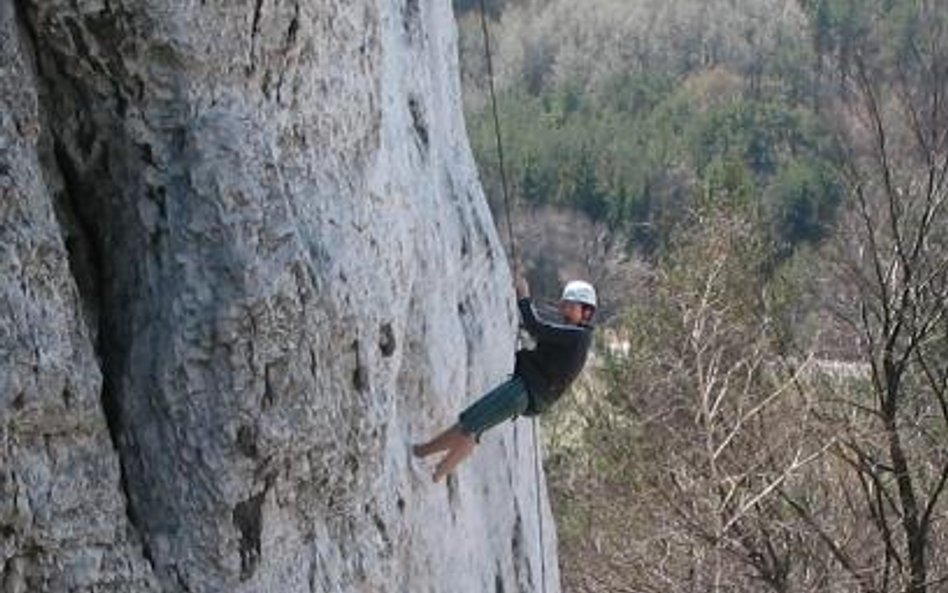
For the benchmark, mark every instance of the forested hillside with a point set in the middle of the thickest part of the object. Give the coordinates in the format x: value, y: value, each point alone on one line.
x: 759, y: 187
x: 631, y: 111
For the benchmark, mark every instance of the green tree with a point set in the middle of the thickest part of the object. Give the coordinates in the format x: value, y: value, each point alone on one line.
x: 803, y: 203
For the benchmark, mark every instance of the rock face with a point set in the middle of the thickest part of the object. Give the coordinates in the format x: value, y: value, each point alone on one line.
x: 244, y: 263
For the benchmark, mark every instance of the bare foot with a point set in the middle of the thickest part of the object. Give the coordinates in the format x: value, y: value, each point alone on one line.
x: 442, y: 442
x: 458, y: 444
x: 459, y: 451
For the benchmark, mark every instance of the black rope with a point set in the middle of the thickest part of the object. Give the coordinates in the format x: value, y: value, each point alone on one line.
x: 536, y: 466
x: 513, y: 256
x: 500, y: 145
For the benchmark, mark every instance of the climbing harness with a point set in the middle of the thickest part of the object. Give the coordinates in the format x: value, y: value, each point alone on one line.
x: 513, y: 256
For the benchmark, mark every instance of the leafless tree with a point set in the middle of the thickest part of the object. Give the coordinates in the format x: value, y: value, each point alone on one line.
x: 892, y: 263
x: 698, y: 435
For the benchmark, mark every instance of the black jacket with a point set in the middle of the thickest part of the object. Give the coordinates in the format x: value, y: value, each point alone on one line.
x: 556, y: 361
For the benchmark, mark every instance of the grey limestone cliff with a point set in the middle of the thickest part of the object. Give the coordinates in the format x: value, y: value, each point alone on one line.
x: 244, y: 262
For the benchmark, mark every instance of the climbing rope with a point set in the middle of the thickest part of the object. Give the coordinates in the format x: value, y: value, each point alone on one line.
x: 513, y: 256
x: 536, y: 466
x: 500, y: 145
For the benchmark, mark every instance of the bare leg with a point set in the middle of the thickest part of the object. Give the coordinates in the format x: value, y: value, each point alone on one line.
x: 442, y: 442
x: 458, y: 452
x: 455, y: 441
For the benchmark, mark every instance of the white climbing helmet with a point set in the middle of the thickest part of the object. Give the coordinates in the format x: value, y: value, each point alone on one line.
x: 578, y: 291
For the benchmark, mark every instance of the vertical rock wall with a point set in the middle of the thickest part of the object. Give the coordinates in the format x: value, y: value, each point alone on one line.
x: 63, y: 525
x: 269, y: 270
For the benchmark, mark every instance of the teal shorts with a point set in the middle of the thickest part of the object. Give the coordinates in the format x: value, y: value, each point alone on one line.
x: 508, y: 400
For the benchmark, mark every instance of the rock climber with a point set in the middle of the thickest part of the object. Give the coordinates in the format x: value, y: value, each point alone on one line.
x: 540, y: 374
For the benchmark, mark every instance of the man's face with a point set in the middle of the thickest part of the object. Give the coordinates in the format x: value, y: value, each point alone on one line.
x: 571, y: 311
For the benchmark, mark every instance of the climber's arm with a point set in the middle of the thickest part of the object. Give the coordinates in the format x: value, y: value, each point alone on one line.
x: 543, y: 331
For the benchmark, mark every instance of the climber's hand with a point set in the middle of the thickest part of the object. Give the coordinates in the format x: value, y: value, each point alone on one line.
x: 523, y: 289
